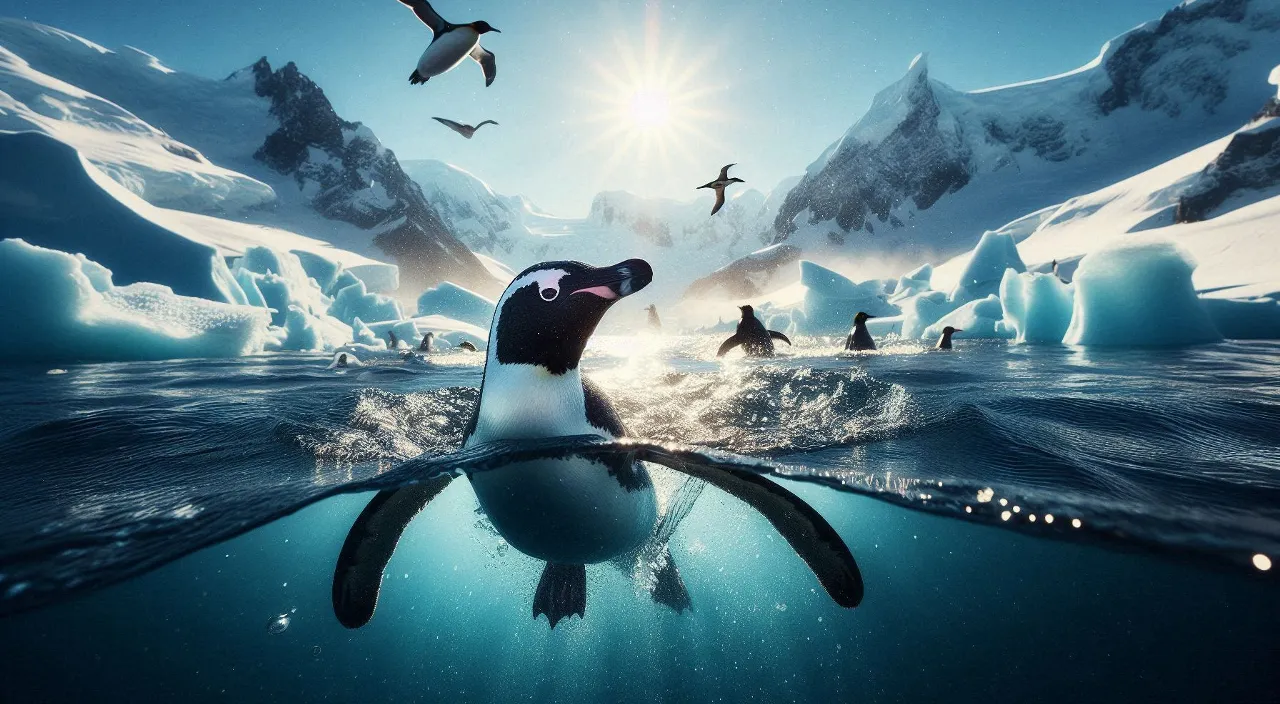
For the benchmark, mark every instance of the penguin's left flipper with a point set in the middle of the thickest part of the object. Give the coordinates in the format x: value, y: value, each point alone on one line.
x: 562, y: 592
x: 669, y: 589
x: 779, y: 336
x: 488, y: 63
x: 808, y: 533
x: 357, y: 577
x: 728, y: 345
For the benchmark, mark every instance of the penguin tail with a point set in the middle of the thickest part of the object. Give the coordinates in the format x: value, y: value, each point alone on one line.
x: 416, y: 78
x: 562, y: 592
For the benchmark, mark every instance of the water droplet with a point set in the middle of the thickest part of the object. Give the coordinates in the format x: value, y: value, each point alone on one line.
x: 1004, y: 502
x: 278, y: 624
x: 1075, y: 523
x: 1005, y: 515
x: 1048, y: 518
x: 315, y: 651
x: 1262, y: 562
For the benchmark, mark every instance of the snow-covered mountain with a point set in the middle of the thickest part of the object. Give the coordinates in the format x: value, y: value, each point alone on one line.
x: 262, y: 146
x: 680, y: 238
x: 928, y: 168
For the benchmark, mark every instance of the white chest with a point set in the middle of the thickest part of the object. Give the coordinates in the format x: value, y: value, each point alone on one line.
x: 522, y: 401
x: 448, y: 51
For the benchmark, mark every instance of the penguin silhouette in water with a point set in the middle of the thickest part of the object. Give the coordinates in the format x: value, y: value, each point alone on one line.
x: 571, y: 511
x: 393, y: 342
x: 944, y: 342
x: 654, y: 323
x: 859, y: 338
x: 425, y: 346
x: 466, y: 345
x: 755, y: 340
x: 342, y: 361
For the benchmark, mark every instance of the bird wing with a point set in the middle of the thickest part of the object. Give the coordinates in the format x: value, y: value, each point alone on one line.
x: 808, y: 533
x: 779, y: 336
x: 485, y: 58
x: 724, y: 173
x: 719, y: 200
x: 357, y: 577
x: 455, y: 126
x: 427, y: 14
x: 728, y: 345
x: 486, y: 122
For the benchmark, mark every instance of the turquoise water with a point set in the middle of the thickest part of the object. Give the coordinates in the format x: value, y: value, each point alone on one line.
x: 143, y: 548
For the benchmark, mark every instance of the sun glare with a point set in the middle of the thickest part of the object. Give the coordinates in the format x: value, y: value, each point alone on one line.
x: 650, y: 103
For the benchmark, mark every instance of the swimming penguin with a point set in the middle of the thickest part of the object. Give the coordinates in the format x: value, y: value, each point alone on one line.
x: 425, y: 346
x: 718, y: 185
x: 466, y: 345
x: 450, y: 44
x: 654, y: 322
x: 570, y: 511
x: 755, y: 340
x: 944, y: 342
x: 859, y: 338
x: 342, y: 361
x: 467, y: 131
x: 393, y: 342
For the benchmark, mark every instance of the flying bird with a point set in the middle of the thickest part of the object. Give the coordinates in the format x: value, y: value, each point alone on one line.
x: 450, y: 44
x: 467, y: 131
x: 719, y: 185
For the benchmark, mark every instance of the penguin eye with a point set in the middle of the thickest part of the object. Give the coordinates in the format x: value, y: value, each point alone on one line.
x: 549, y: 294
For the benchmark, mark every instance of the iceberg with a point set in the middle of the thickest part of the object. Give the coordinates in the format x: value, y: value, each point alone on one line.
x: 1244, y: 319
x: 1037, y: 307
x: 1137, y: 295
x: 831, y: 300
x: 64, y: 307
x: 453, y: 301
x: 921, y: 311
x: 355, y: 302
x: 996, y: 251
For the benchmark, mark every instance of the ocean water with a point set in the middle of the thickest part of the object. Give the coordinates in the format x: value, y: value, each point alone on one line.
x: 168, y: 531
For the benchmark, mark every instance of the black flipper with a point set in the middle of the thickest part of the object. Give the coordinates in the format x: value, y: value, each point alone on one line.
x: 562, y: 592
x: 416, y: 78
x: 670, y: 590
x: 428, y: 15
x: 357, y: 578
x: 808, y: 533
x: 728, y: 345
x: 779, y: 336
x: 487, y: 62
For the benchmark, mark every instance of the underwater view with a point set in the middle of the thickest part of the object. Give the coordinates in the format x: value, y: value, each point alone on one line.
x: 476, y: 351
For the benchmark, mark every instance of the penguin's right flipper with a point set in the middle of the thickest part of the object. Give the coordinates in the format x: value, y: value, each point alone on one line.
x: 728, y: 345
x: 488, y: 63
x: 427, y: 14
x: 562, y: 592
x: 357, y: 577
x: 669, y: 589
x: 808, y: 533
x: 779, y: 336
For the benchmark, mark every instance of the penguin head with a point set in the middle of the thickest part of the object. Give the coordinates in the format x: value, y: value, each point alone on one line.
x: 951, y: 331
x: 549, y: 311
x: 747, y: 311
x: 483, y: 27
x: 861, y: 318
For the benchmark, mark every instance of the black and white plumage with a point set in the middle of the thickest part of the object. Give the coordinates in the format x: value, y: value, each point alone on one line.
x: 722, y: 182
x: 575, y: 510
x: 752, y: 336
x: 450, y: 45
x: 944, y: 342
x: 467, y: 131
x: 859, y: 338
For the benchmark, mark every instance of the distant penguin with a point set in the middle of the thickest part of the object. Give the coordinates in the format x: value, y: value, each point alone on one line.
x: 342, y: 361
x: 569, y: 511
x: 654, y: 322
x: 722, y: 182
x: 425, y: 346
x: 467, y: 131
x: 393, y: 342
x: 450, y: 44
x: 944, y: 342
x: 466, y: 345
x: 859, y: 338
x: 751, y: 334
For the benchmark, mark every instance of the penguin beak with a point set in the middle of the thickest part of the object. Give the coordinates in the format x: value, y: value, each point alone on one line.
x: 956, y: 331
x: 614, y: 282
x: 873, y: 316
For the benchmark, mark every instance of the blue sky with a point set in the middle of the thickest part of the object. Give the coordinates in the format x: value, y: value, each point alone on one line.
x: 582, y: 83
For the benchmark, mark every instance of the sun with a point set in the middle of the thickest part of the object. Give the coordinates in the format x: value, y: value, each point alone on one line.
x: 650, y: 108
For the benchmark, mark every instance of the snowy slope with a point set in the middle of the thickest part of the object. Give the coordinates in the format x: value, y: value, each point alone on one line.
x: 929, y: 167
x: 263, y: 146
x: 680, y: 239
